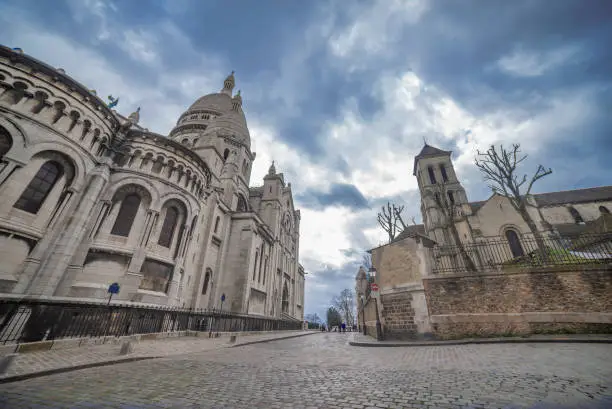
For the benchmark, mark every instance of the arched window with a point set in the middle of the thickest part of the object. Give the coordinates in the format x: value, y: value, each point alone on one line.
x: 242, y: 205
x: 6, y: 142
x: 206, y: 281
x: 575, y: 215
x: 515, y: 243
x: 603, y: 210
x: 225, y: 154
x: 285, y: 305
x: 169, y: 226
x: 255, y: 265
x: 451, y: 197
x: 432, y: 175
x: 443, y: 172
x: 127, y: 214
x: 39, y: 188
x: 265, y: 270
x: 217, y: 223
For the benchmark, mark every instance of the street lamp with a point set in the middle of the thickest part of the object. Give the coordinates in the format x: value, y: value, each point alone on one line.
x: 365, y: 330
x: 379, y: 333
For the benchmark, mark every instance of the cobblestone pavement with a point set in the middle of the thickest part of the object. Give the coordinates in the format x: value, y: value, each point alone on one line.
x: 322, y: 371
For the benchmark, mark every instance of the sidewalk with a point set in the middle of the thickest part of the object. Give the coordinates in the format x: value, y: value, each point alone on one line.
x: 361, y: 340
x: 32, y: 364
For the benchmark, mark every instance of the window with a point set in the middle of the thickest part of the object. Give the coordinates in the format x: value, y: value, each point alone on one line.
x: 225, y: 154
x: 443, y: 172
x: 126, y: 216
x: 265, y: 270
x: 515, y: 243
x: 255, y: 265
x: 432, y: 175
x: 217, y: 224
x: 285, y: 305
x: 577, y: 218
x: 167, y: 230
x: 451, y: 198
x: 603, y: 210
x: 206, y: 281
x: 437, y: 198
x: 39, y: 188
x: 6, y: 142
x: 242, y: 205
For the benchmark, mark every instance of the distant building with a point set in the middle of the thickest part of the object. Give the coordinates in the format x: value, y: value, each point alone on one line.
x: 410, y: 269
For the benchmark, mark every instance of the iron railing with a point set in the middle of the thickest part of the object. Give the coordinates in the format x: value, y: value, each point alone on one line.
x: 34, y: 320
x: 499, y: 253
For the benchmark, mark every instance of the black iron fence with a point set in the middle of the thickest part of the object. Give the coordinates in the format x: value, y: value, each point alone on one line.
x: 513, y: 252
x: 33, y: 320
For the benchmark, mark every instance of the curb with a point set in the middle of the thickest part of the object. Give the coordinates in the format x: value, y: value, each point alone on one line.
x: 54, y: 371
x: 483, y: 341
x: 270, y: 340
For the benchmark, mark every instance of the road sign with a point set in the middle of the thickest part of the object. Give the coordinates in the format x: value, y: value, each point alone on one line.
x: 374, y: 287
x: 113, y: 288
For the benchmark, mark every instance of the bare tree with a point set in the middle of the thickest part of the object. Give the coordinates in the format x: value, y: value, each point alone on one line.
x: 367, y: 261
x: 445, y: 201
x: 345, y: 304
x: 500, y: 170
x: 390, y: 219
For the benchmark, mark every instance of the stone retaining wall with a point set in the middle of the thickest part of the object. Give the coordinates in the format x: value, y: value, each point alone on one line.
x: 84, y: 342
x: 517, y: 303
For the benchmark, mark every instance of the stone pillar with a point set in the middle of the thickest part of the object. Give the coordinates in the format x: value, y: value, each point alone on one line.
x: 53, y: 267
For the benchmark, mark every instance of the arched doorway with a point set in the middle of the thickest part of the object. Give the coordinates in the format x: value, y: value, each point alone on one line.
x: 515, y: 243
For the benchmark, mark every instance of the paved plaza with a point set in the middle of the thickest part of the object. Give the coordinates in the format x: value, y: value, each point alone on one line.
x: 322, y: 371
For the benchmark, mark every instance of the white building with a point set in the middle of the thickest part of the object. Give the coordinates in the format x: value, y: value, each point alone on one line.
x: 89, y: 198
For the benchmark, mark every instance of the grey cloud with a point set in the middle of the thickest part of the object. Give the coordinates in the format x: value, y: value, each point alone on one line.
x: 340, y: 194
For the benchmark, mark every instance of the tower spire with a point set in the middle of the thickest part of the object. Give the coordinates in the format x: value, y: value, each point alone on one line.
x: 228, y: 84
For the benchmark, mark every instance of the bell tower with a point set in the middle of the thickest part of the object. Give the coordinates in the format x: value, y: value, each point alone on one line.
x: 442, y: 195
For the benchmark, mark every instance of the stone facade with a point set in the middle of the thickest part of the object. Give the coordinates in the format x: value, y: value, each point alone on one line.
x: 551, y: 300
x: 88, y: 197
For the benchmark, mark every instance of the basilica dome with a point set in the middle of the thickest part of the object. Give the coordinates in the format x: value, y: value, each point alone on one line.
x: 217, y: 114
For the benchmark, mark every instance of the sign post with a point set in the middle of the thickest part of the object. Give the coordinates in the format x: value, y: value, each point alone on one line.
x: 221, y: 311
x: 112, y: 289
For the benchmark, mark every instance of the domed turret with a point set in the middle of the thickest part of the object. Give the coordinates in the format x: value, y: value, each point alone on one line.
x: 214, y: 115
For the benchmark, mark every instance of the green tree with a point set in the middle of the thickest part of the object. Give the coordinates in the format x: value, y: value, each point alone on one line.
x: 333, y: 317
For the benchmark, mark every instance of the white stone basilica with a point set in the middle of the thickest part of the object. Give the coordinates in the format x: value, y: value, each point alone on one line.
x: 89, y: 198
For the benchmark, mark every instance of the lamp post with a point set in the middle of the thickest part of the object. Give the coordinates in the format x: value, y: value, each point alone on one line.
x: 379, y: 333
x: 365, y: 330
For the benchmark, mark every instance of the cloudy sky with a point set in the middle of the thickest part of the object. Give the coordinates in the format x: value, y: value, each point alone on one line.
x: 341, y: 94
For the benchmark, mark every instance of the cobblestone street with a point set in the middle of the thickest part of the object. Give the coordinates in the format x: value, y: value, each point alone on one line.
x: 322, y: 371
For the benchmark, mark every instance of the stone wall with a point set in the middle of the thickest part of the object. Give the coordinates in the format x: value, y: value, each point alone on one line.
x: 370, y: 317
x: 498, y: 304
x: 398, y: 316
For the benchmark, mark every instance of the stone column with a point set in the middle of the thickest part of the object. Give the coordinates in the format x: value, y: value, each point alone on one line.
x: 61, y: 252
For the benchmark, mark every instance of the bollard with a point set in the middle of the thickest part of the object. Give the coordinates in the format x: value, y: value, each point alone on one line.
x: 126, y: 348
x: 6, y: 362
x: 232, y: 339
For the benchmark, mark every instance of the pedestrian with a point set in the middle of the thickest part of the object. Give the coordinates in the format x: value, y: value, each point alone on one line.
x: 343, y: 327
